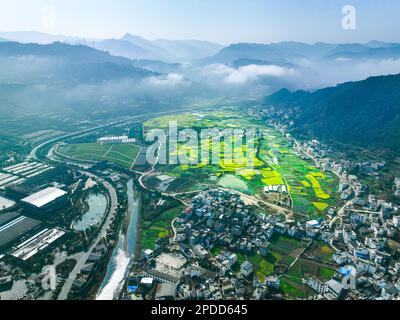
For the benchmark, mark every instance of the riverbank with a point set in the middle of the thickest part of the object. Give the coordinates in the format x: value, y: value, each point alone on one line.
x: 124, y: 253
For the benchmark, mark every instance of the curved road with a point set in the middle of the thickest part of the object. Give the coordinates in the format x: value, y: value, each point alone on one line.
x: 82, y: 257
x: 33, y: 153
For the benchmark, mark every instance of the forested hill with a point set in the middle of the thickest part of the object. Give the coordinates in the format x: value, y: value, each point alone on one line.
x: 365, y: 113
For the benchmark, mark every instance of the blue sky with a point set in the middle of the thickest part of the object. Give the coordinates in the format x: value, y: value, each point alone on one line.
x: 224, y: 21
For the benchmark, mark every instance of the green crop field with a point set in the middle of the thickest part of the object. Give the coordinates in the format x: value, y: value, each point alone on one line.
x: 321, y: 252
x: 158, y: 228
x: 231, y: 182
x: 305, y: 268
x: 275, y: 163
x: 282, y: 252
x: 293, y: 287
x: 312, y: 190
x: 120, y: 154
x: 272, y: 162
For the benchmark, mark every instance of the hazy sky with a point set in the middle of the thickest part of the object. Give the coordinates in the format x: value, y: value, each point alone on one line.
x: 224, y: 21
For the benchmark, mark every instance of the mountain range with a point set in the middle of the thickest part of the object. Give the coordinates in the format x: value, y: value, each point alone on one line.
x: 129, y: 46
x: 285, y: 53
x: 62, y: 62
x: 41, y: 38
x: 365, y: 112
x: 204, y: 52
x: 72, y: 75
x: 68, y: 81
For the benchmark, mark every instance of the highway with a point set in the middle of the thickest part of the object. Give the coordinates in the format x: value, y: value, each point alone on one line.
x: 33, y: 154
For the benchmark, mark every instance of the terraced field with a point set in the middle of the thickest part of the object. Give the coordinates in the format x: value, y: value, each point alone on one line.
x: 272, y: 163
x: 312, y: 191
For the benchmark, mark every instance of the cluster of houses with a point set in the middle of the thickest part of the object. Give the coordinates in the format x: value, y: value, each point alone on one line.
x: 367, y: 237
x: 371, y: 168
x: 350, y: 187
x: 218, y: 228
x: 276, y: 189
x: 115, y: 140
x: 211, y: 236
x: 362, y: 241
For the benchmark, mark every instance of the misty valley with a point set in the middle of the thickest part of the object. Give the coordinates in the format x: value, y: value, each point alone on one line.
x: 141, y: 168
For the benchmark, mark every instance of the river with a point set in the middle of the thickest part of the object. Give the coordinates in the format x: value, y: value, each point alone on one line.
x: 124, y: 252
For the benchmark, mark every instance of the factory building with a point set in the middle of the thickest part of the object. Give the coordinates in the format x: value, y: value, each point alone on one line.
x: 14, y: 227
x: 44, y: 200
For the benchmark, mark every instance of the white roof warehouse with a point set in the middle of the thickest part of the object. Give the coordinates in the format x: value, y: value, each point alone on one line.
x: 44, y: 197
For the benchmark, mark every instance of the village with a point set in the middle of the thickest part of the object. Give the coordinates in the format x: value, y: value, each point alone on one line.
x: 215, y: 239
x: 186, y: 268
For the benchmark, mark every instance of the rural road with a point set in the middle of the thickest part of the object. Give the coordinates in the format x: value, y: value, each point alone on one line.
x: 348, y: 203
x: 173, y: 228
x: 340, y: 213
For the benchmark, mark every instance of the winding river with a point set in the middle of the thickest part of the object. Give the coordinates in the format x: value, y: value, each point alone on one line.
x: 124, y: 252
